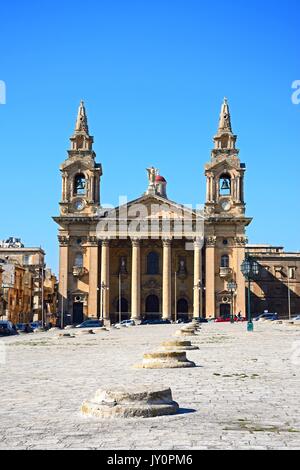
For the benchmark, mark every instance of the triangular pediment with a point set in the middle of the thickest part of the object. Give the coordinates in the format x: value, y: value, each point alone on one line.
x: 224, y: 164
x: 153, y: 207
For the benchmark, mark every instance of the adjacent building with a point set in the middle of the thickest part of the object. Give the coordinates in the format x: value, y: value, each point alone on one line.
x: 26, y: 284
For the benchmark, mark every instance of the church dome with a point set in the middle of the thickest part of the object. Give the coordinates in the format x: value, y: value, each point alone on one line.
x: 160, y: 179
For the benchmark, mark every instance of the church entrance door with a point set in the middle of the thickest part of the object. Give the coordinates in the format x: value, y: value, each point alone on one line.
x: 78, y: 316
x: 152, y: 308
x: 225, y: 311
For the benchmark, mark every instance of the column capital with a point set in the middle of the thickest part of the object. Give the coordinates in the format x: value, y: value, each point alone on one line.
x: 199, y: 242
x: 241, y: 241
x: 136, y: 242
x: 167, y: 242
x: 211, y: 241
x: 92, y: 241
x: 105, y: 242
x: 63, y: 240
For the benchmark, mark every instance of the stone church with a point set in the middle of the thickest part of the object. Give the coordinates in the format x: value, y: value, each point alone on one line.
x: 152, y: 257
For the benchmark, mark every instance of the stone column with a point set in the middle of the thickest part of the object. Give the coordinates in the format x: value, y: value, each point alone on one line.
x: 210, y: 277
x: 198, y: 244
x: 136, y: 280
x: 105, y: 280
x: 167, y: 279
x: 93, y: 306
x: 63, y: 273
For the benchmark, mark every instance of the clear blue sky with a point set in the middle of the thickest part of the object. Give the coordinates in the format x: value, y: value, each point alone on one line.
x: 153, y: 74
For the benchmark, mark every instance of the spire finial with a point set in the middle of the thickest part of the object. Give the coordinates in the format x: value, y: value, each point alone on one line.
x: 225, y: 119
x: 81, y: 122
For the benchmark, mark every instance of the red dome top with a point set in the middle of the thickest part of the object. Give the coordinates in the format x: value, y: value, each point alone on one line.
x: 160, y: 179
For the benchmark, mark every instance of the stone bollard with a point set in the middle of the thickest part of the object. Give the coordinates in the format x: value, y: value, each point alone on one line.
x: 185, y: 333
x: 165, y: 360
x: 66, y: 335
x: 177, y: 345
x: 131, y: 402
x: 84, y: 333
x: 101, y: 330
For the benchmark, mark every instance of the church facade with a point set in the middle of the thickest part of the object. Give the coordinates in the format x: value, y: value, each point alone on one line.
x: 152, y: 257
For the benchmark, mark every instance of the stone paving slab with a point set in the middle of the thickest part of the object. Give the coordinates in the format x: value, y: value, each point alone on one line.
x: 244, y: 393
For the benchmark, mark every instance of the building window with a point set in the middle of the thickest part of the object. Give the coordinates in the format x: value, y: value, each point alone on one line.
x: 26, y: 260
x: 80, y: 185
x: 292, y: 273
x: 79, y: 260
x: 225, y: 261
x: 153, y: 263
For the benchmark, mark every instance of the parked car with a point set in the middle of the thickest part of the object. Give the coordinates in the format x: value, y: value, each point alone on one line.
x: 182, y: 320
x: 125, y: 324
x: 91, y: 324
x: 156, y: 322
x: 237, y: 319
x: 7, y: 328
x: 267, y: 316
x: 297, y: 318
x: 36, y: 324
x: 24, y: 328
x: 222, y: 320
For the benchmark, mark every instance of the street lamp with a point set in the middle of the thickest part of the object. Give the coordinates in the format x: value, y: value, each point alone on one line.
x: 103, y: 288
x: 250, y: 269
x: 199, y: 287
x: 232, y: 287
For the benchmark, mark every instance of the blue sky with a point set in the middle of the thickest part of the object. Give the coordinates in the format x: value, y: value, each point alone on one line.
x: 153, y: 74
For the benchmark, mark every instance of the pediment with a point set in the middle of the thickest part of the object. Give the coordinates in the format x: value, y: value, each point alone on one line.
x: 150, y: 207
x: 73, y: 165
x: 224, y: 164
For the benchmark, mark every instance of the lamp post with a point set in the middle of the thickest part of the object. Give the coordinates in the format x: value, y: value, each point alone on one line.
x: 103, y: 288
x: 199, y: 287
x: 120, y: 298
x: 232, y: 287
x: 175, y: 306
x: 250, y: 269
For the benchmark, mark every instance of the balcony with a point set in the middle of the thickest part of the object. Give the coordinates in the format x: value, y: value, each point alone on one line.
x: 225, y: 272
x: 79, y: 271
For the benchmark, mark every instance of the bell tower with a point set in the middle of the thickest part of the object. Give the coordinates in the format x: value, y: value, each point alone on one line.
x: 225, y: 222
x: 225, y: 172
x: 80, y: 173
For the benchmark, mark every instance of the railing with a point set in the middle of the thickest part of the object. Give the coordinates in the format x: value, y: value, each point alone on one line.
x: 79, y: 271
x: 225, y: 272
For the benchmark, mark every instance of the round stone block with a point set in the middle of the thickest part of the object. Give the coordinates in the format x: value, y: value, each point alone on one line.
x: 100, y: 330
x: 185, y: 333
x: 131, y: 402
x: 177, y: 345
x: 165, y: 360
x: 66, y: 335
x: 85, y: 332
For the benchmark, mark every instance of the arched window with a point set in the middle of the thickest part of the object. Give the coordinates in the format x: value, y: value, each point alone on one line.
x: 79, y: 260
x: 153, y: 263
x: 225, y: 185
x: 225, y: 261
x: 80, y: 185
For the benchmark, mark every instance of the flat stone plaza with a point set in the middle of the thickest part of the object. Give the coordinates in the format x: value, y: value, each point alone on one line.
x: 243, y: 394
